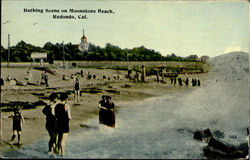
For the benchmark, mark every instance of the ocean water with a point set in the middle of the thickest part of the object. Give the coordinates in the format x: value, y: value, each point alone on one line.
x: 158, y: 127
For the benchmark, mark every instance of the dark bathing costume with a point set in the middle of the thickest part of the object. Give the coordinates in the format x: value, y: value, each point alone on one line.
x: 17, y: 122
x: 62, y: 123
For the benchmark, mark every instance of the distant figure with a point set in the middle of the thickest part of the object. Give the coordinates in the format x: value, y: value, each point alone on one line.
x: 63, y: 116
x: 18, y: 121
x: 104, y: 77
x: 41, y: 62
x: 46, y: 78
x: 65, y: 78
x: 49, y: 111
x: 174, y: 81
x: 82, y: 74
x: 157, y: 76
x: 198, y: 82
x: 194, y: 82
x: 171, y: 80
x: 9, y: 78
x: 129, y: 73
x: 186, y: 82
x: 77, y: 91
x: 180, y: 81
x: 30, y: 77
x: 106, y: 113
x: 89, y: 76
x: 42, y: 78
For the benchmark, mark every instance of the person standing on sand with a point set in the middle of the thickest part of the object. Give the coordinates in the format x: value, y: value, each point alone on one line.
x: 82, y: 73
x: 42, y: 78
x: 49, y: 111
x: 63, y: 115
x: 46, y: 78
x: 77, y: 91
x: 18, y: 120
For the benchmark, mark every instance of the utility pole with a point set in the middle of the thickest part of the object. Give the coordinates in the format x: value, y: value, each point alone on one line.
x: 128, y: 66
x: 8, y: 50
x: 63, y: 55
x: 127, y: 60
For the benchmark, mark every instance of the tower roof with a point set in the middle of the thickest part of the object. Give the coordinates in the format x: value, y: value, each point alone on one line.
x: 84, y: 37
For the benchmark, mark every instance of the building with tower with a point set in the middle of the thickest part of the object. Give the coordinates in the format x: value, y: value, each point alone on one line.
x: 83, y: 46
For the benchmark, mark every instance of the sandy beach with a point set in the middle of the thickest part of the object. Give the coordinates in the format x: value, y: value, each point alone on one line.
x: 121, y: 90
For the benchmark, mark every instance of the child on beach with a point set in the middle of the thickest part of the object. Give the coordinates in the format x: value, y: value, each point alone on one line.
x: 18, y: 120
x: 49, y: 111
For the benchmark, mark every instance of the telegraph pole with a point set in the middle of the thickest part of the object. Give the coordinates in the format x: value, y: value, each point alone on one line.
x: 63, y: 55
x: 128, y: 66
x: 8, y: 50
x: 127, y: 59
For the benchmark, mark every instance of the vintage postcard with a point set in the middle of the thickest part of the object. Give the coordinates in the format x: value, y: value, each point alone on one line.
x: 124, y: 79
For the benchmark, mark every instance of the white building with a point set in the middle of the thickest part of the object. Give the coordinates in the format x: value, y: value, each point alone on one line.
x: 83, y: 46
x: 39, y: 56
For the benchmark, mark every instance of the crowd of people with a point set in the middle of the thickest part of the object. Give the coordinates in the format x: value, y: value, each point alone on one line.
x: 194, y: 82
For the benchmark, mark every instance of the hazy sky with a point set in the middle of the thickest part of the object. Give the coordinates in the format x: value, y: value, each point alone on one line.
x: 184, y: 28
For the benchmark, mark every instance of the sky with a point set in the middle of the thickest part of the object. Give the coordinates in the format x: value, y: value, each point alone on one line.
x: 182, y: 27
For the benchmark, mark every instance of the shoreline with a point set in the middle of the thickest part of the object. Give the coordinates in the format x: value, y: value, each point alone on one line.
x: 127, y: 91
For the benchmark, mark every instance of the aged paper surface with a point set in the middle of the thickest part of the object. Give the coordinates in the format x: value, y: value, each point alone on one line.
x: 173, y: 76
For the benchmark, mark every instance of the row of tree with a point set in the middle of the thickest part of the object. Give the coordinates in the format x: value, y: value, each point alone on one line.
x: 22, y: 53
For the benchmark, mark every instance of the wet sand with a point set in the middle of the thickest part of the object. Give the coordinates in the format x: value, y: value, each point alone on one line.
x: 122, y: 90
